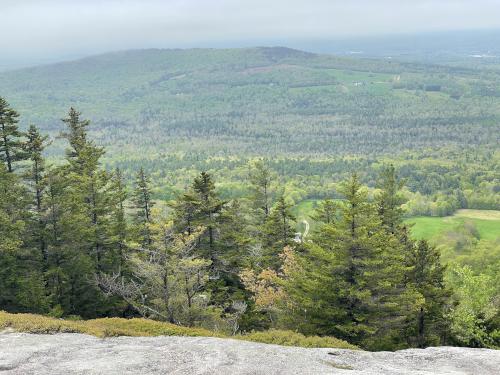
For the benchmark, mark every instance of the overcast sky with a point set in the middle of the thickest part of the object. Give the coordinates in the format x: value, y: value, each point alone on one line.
x: 53, y: 29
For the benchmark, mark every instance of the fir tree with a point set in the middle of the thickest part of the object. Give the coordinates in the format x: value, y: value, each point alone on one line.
x: 278, y: 233
x: 261, y: 179
x: 90, y: 189
x: 430, y: 324
x: 209, y: 207
x: 119, y: 219
x: 327, y: 211
x: 34, y: 147
x: 389, y: 199
x: 11, y: 145
x: 12, y: 229
x: 143, y: 203
x: 364, y: 268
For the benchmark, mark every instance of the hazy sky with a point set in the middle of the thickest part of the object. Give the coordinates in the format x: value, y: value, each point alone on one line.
x: 51, y: 29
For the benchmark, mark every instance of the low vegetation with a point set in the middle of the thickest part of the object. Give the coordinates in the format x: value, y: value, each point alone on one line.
x: 110, y: 327
x: 291, y: 338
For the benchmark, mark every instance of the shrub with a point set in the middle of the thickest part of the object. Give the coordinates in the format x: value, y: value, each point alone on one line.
x: 110, y: 327
x: 291, y: 338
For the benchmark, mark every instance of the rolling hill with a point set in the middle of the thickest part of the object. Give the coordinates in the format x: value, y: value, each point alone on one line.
x: 310, y: 114
x: 276, y: 101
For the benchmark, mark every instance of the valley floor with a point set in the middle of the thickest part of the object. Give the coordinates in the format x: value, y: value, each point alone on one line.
x: 69, y: 353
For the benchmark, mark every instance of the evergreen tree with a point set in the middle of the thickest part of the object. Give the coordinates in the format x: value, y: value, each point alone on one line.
x: 12, y: 229
x: 327, y: 211
x: 223, y: 240
x: 389, y: 199
x: 83, y: 155
x: 89, y: 190
x: 119, y: 219
x: 364, y: 269
x: 72, y: 264
x: 208, y: 215
x: 11, y: 145
x: 261, y: 179
x: 424, y: 272
x: 326, y: 214
x: 278, y: 233
x: 143, y: 203
x: 34, y: 147
x: 430, y: 324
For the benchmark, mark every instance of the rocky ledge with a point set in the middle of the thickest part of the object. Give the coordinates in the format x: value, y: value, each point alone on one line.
x: 70, y: 353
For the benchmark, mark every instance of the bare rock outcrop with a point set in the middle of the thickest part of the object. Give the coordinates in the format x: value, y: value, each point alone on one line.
x: 81, y: 354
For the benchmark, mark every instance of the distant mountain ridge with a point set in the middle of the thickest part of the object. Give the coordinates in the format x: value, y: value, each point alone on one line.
x: 260, y: 101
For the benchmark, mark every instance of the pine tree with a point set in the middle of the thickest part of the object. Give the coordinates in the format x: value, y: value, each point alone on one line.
x: 83, y: 155
x: 12, y: 229
x: 424, y: 272
x: 34, y: 147
x: 89, y: 189
x: 119, y: 219
x: 278, y: 233
x: 79, y: 204
x: 261, y: 179
x: 222, y: 241
x: 363, y: 268
x: 208, y: 214
x: 430, y: 323
x: 389, y: 199
x: 326, y: 213
x: 11, y: 145
x: 143, y: 203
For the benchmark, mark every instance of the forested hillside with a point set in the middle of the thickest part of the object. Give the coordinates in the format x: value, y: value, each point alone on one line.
x: 314, y: 117
x: 77, y: 241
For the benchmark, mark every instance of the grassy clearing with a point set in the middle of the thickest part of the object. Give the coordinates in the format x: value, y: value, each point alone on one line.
x: 111, y: 327
x: 486, y: 222
x: 479, y: 214
x: 305, y: 209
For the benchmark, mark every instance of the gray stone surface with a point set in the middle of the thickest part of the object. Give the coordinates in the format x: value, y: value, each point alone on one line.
x: 81, y: 354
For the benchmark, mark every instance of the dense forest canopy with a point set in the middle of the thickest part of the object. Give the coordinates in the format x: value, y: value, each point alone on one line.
x: 78, y: 241
x: 314, y: 117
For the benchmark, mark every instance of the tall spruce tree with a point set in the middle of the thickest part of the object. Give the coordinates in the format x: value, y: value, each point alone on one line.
x: 143, y: 203
x: 90, y: 188
x: 278, y: 233
x: 34, y: 147
x: 427, y: 325
x: 119, y: 220
x: 12, y: 229
x: 261, y: 179
x: 11, y: 144
x: 208, y: 215
x: 362, y: 265
x: 223, y: 240
x: 430, y: 324
x: 389, y: 199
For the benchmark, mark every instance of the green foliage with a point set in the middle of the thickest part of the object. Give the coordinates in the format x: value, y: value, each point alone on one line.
x: 11, y: 149
x: 311, y: 118
x: 98, y: 327
x: 110, y: 327
x: 71, y: 248
x: 143, y: 204
x: 278, y: 233
x: 291, y: 338
x: 473, y: 317
x: 430, y: 324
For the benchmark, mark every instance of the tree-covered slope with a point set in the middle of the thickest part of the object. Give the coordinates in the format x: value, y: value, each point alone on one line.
x: 261, y: 101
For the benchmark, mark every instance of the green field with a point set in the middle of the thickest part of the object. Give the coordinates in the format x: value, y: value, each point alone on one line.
x: 486, y: 222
